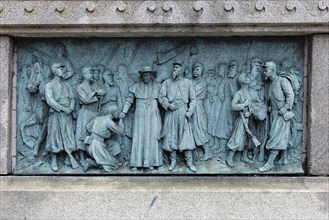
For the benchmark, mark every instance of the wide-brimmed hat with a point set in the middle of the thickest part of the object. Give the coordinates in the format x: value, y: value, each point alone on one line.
x: 147, y: 69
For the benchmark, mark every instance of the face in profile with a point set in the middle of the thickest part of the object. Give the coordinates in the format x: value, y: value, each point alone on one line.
x: 147, y: 77
x: 178, y: 69
x: 60, y: 71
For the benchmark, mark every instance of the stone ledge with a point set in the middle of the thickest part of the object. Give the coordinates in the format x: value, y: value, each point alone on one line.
x: 222, y: 17
x: 164, y: 197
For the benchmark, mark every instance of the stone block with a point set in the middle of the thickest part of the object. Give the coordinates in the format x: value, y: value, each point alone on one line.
x: 6, y: 54
x: 318, y: 108
x: 164, y: 197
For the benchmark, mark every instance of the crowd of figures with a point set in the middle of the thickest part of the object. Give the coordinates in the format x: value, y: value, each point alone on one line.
x: 106, y: 121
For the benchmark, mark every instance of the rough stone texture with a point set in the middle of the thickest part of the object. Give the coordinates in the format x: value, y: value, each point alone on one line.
x: 135, y: 17
x: 164, y: 198
x: 6, y: 47
x: 318, y: 149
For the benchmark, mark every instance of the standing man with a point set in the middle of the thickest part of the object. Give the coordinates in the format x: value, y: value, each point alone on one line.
x: 281, y: 96
x: 61, y: 100
x: 145, y: 150
x: 177, y: 96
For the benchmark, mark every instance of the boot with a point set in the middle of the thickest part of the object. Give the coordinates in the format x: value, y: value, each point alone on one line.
x: 269, y: 164
x: 54, y: 166
x: 189, y: 160
x: 229, y: 158
x: 283, y: 159
x: 74, y: 163
x: 88, y: 163
x: 207, y: 155
x: 173, y: 159
x: 82, y: 157
x: 245, y: 157
x: 222, y: 145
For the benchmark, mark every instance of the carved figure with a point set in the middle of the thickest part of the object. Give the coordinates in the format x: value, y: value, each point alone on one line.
x: 177, y: 96
x: 256, y: 84
x: 240, y: 103
x: 88, y: 97
x: 217, y: 111
x: 224, y: 115
x: 199, y: 119
x: 281, y: 97
x: 112, y: 96
x: 101, y: 128
x: 61, y: 100
x: 60, y: 53
x: 145, y: 150
x: 38, y: 75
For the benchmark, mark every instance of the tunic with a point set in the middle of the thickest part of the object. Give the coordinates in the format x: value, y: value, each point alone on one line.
x: 281, y: 96
x: 101, y: 128
x: 238, y: 137
x: 87, y: 112
x: 146, y: 133
x: 199, y: 119
x: 224, y: 120
x: 216, y: 107
x: 60, y: 125
x: 177, y: 131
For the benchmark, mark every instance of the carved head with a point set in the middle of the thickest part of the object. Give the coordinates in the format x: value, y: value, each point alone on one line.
x: 112, y: 111
x: 108, y: 77
x: 256, y: 64
x: 147, y: 74
x: 270, y: 69
x: 60, y: 50
x: 87, y: 73
x: 35, y: 78
x: 99, y: 69
x: 232, y: 69
x: 179, y: 69
x: 243, y: 79
x: 197, y: 69
x: 221, y: 69
x: 58, y: 69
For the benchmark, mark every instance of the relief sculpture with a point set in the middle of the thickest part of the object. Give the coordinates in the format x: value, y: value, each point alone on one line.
x: 160, y: 106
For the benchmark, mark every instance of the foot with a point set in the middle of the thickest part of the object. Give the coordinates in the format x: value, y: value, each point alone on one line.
x: 54, y: 166
x: 247, y: 160
x: 206, y: 157
x: 191, y: 167
x: 282, y: 161
x: 74, y: 163
x: 267, y: 167
x: 67, y: 161
x: 82, y: 162
x: 230, y: 163
x: 172, y: 166
x: 133, y: 168
x: 151, y: 168
x: 86, y: 165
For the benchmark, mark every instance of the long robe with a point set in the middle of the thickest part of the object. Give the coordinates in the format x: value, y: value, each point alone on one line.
x: 145, y: 150
x: 87, y: 112
x: 60, y: 125
x: 199, y: 119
